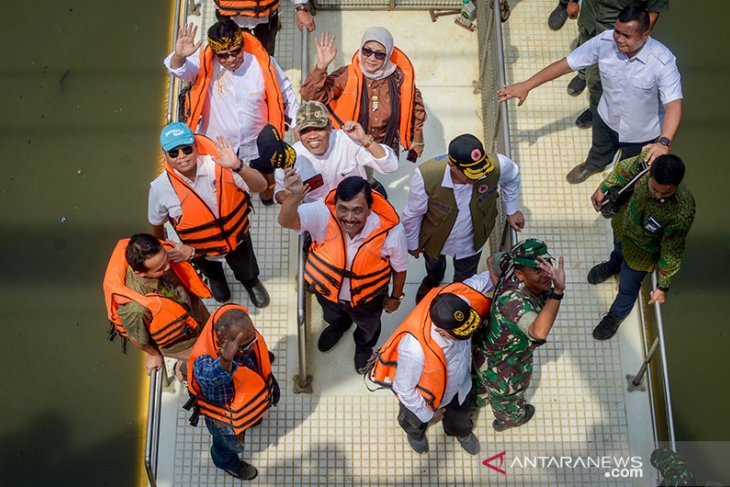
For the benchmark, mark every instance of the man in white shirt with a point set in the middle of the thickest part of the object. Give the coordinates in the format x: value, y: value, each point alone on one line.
x: 427, y: 362
x: 357, y: 244
x: 236, y: 87
x: 452, y: 208
x: 641, y: 105
x: 203, y: 192
x: 332, y: 155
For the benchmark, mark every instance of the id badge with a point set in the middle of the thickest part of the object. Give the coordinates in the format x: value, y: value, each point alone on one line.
x: 652, y: 226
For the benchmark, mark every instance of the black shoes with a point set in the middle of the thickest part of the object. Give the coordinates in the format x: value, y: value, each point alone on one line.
x: 419, y: 447
x: 558, y: 16
x: 601, y: 272
x: 362, y: 356
x: 245, y: 471
x: 580, y: 173
x: 529, y: 413
x: 608, y: 327
x: 585, y: 119
x: 220, y: 290
x: 258, y: 294
x: 426, y: 285
x: 576, y: 86
x: 328, y: 339
x: 470, y: 444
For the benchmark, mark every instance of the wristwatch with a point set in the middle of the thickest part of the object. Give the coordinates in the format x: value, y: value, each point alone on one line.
x: 557, y: 296
x: 302, y: 7
x: 399, y: 298
x: 370, y: 139
x: 240, y: 166
x: 665, y: 141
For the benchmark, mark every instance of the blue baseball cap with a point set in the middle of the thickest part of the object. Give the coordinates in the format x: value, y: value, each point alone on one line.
x: 176, y: 134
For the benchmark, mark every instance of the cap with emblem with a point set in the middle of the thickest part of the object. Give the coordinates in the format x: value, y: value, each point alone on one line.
x: 467, y: 153
x: 312, y: 114
x: 526, y: 253
x: 176, y: 134
x: 273, y: 150
x: 451, y: 313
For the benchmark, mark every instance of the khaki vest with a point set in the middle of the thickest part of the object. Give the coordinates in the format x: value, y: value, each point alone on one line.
x: 442, y: 210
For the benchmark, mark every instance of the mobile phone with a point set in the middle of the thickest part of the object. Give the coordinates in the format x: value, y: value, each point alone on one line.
x: 315, y: 181
x: 412, y: 156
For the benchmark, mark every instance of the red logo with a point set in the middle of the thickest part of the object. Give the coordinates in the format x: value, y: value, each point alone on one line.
x: 476, y: 154
x: 498, y: 467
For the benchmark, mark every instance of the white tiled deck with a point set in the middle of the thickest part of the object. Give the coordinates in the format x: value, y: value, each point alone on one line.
x: 343, y: 435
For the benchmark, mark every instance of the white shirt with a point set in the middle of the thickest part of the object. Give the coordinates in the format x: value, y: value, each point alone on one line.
x: 460, y: 242
x: 344, y: 157
x: 164, y: 203
x: 635, y: 89
x: 249, y: 23
x: 314, y: 218
x: 458, y: 363
x: 236, y: 102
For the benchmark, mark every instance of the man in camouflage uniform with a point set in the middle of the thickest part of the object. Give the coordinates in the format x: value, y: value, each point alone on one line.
x: 649, y: 233
x: 524, y: 309
x: 672, y: 468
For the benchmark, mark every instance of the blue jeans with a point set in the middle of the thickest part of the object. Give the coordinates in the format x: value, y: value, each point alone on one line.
x: 629, y: 283
x: 225, y: 447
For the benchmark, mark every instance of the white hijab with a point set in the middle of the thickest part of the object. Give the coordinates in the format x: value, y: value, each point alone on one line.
x: 383, y: 37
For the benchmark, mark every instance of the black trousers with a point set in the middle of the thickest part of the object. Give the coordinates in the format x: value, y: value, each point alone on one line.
x: 366, y: 317
x: 457, y: 420
x: 242, y: 262
x: 266, y: 33
x: 463, y: 268
x: 605, y: 144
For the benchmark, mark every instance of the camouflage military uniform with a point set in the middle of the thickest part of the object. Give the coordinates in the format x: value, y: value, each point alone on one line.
x: 503, y: 350
x: 672, y: 468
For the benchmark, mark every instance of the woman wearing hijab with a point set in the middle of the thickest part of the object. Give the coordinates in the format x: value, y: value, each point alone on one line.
x: 377, y: 89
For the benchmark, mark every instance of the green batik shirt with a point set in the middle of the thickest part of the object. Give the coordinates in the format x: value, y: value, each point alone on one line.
x: 599, y: 15
x: 652, y: 232
x: 514, y: 309
x: 134, y: 316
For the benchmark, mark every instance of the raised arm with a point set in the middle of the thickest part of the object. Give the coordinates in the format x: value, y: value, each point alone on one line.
x: 295, y: 192
x: 522, y: 89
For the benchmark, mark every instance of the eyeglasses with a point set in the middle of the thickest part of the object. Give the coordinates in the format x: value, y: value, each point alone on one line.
x: 367, y: 52
x: 187, y: 150
x: 225, y: 55
x: 247, y: 346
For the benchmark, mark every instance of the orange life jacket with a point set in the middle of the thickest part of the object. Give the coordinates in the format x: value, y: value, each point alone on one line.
x: 347, y: 105
x: 253, y: 390
x: 369, y: 273
x: 171, y: 322
x: 198, y: 225
x: 432, y: 384
x: 198, y: 93
x: 247, y: 8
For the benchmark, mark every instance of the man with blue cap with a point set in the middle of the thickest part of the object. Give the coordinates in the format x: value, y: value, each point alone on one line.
x: 204, y: 193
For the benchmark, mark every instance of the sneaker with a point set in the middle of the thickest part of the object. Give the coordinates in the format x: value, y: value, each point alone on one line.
x: 558, y: 16
x: 419, y: 447
x: 529, y: 413
x: 608, y: 327
x: 426, y: 285
x: 361, y: 359
x: 245, y: 471
x: 601, y: 272
x: 328, y: 339
x: 470, y: 444
x: 258, y: 294
x: 580, y: 173
x: 576, y: 86
x: 585, y: 119
x: 220, y: 290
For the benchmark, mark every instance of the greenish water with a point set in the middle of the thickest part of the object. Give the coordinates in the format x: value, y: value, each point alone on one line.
x: 697, y: 327
x: 81, y: 89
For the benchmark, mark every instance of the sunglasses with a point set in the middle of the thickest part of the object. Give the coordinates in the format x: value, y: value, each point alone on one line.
x: 186, y: 149
x: 367, y: 52
x: 247, y: 346
x: 225, y: 55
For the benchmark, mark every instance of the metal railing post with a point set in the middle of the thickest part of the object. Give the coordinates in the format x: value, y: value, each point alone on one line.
x: 302, y: 381
x: 665, y: 369
x: 152, y: 441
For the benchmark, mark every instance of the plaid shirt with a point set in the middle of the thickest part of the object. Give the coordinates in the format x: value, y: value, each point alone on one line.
x: 215, y: 383
x: 645, y: 249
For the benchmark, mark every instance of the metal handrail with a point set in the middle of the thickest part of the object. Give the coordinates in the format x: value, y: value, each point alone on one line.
x: 152, y: 441
x: 665, y: 369
x: 302, y: 381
